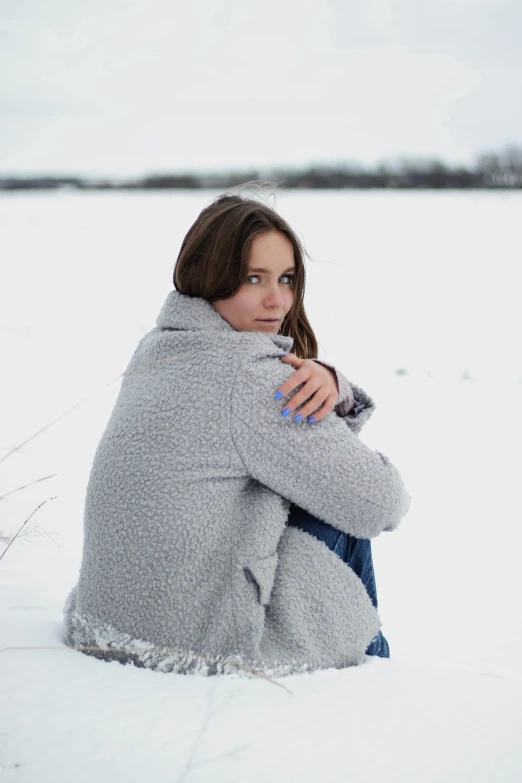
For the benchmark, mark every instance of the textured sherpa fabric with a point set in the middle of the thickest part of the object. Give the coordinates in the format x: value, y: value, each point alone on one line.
x: 188, y: 564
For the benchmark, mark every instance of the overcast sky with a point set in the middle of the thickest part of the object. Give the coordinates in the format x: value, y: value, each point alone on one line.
x: 125, y: 87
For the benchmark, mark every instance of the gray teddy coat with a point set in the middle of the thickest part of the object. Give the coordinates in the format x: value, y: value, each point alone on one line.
x: 188, y: 563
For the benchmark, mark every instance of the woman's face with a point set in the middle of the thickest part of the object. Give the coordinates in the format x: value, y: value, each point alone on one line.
x: 267, y: 292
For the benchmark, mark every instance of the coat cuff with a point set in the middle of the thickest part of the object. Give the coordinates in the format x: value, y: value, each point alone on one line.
x: 354, y: 405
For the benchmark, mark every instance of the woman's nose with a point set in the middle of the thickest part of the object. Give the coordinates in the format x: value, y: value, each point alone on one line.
x: 274, y: 295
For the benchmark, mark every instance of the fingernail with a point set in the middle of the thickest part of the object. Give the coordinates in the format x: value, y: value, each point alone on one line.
x: 284, y: 354
x: 279, y: 395
x: 311, y: 420
x: 286, y: 411
x: 299, y: 417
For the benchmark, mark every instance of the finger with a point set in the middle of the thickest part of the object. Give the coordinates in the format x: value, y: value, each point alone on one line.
x: 292, y: 359
x: 313, y: 403
x: 318, y: 407
x: 295, y: 380
x: 307, y: 390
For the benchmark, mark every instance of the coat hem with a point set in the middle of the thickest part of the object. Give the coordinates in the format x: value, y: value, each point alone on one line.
x: 104, y: 642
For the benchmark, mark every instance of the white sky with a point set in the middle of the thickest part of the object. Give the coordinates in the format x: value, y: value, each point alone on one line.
x: 125, y: 87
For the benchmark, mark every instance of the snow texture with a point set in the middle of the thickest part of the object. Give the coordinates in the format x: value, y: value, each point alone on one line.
x: 445, y: 708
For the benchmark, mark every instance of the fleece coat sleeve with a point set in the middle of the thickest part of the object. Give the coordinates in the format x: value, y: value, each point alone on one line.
x: 322, y: 467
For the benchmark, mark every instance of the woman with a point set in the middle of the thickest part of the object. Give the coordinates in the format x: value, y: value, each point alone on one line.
x: 230, y: 502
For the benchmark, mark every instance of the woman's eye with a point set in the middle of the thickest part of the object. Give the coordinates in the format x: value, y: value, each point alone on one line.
x: 290, y: 278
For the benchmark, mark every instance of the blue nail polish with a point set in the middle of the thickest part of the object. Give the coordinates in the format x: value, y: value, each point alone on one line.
x: 299, y: 417
x: 284, y: 354
x: 286, y: 411
x: 311, y: 420
x: 279, y: 395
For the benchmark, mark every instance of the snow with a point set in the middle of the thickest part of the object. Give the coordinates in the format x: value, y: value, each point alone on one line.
x: 446, y: 705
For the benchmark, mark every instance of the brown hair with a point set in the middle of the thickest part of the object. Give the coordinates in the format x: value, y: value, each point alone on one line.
x: 213, y: 260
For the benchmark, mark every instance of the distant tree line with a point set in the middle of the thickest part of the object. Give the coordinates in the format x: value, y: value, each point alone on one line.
x: 491, y: 170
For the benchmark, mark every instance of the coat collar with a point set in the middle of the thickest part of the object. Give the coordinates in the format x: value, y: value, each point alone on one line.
x: 188, y: 313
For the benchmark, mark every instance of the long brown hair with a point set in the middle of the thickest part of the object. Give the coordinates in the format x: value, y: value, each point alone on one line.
x: 213, y: 260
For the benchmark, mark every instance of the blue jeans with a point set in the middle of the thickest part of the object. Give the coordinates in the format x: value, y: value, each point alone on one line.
x: 356, y: 552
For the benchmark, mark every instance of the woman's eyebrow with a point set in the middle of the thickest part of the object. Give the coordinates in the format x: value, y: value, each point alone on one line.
x: 267, y: 271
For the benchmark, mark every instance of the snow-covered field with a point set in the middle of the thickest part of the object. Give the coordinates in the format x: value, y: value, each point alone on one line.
x: 420, y: 281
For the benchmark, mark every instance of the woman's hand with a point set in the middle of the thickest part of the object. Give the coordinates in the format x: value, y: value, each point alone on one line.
x: 319, y: 390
